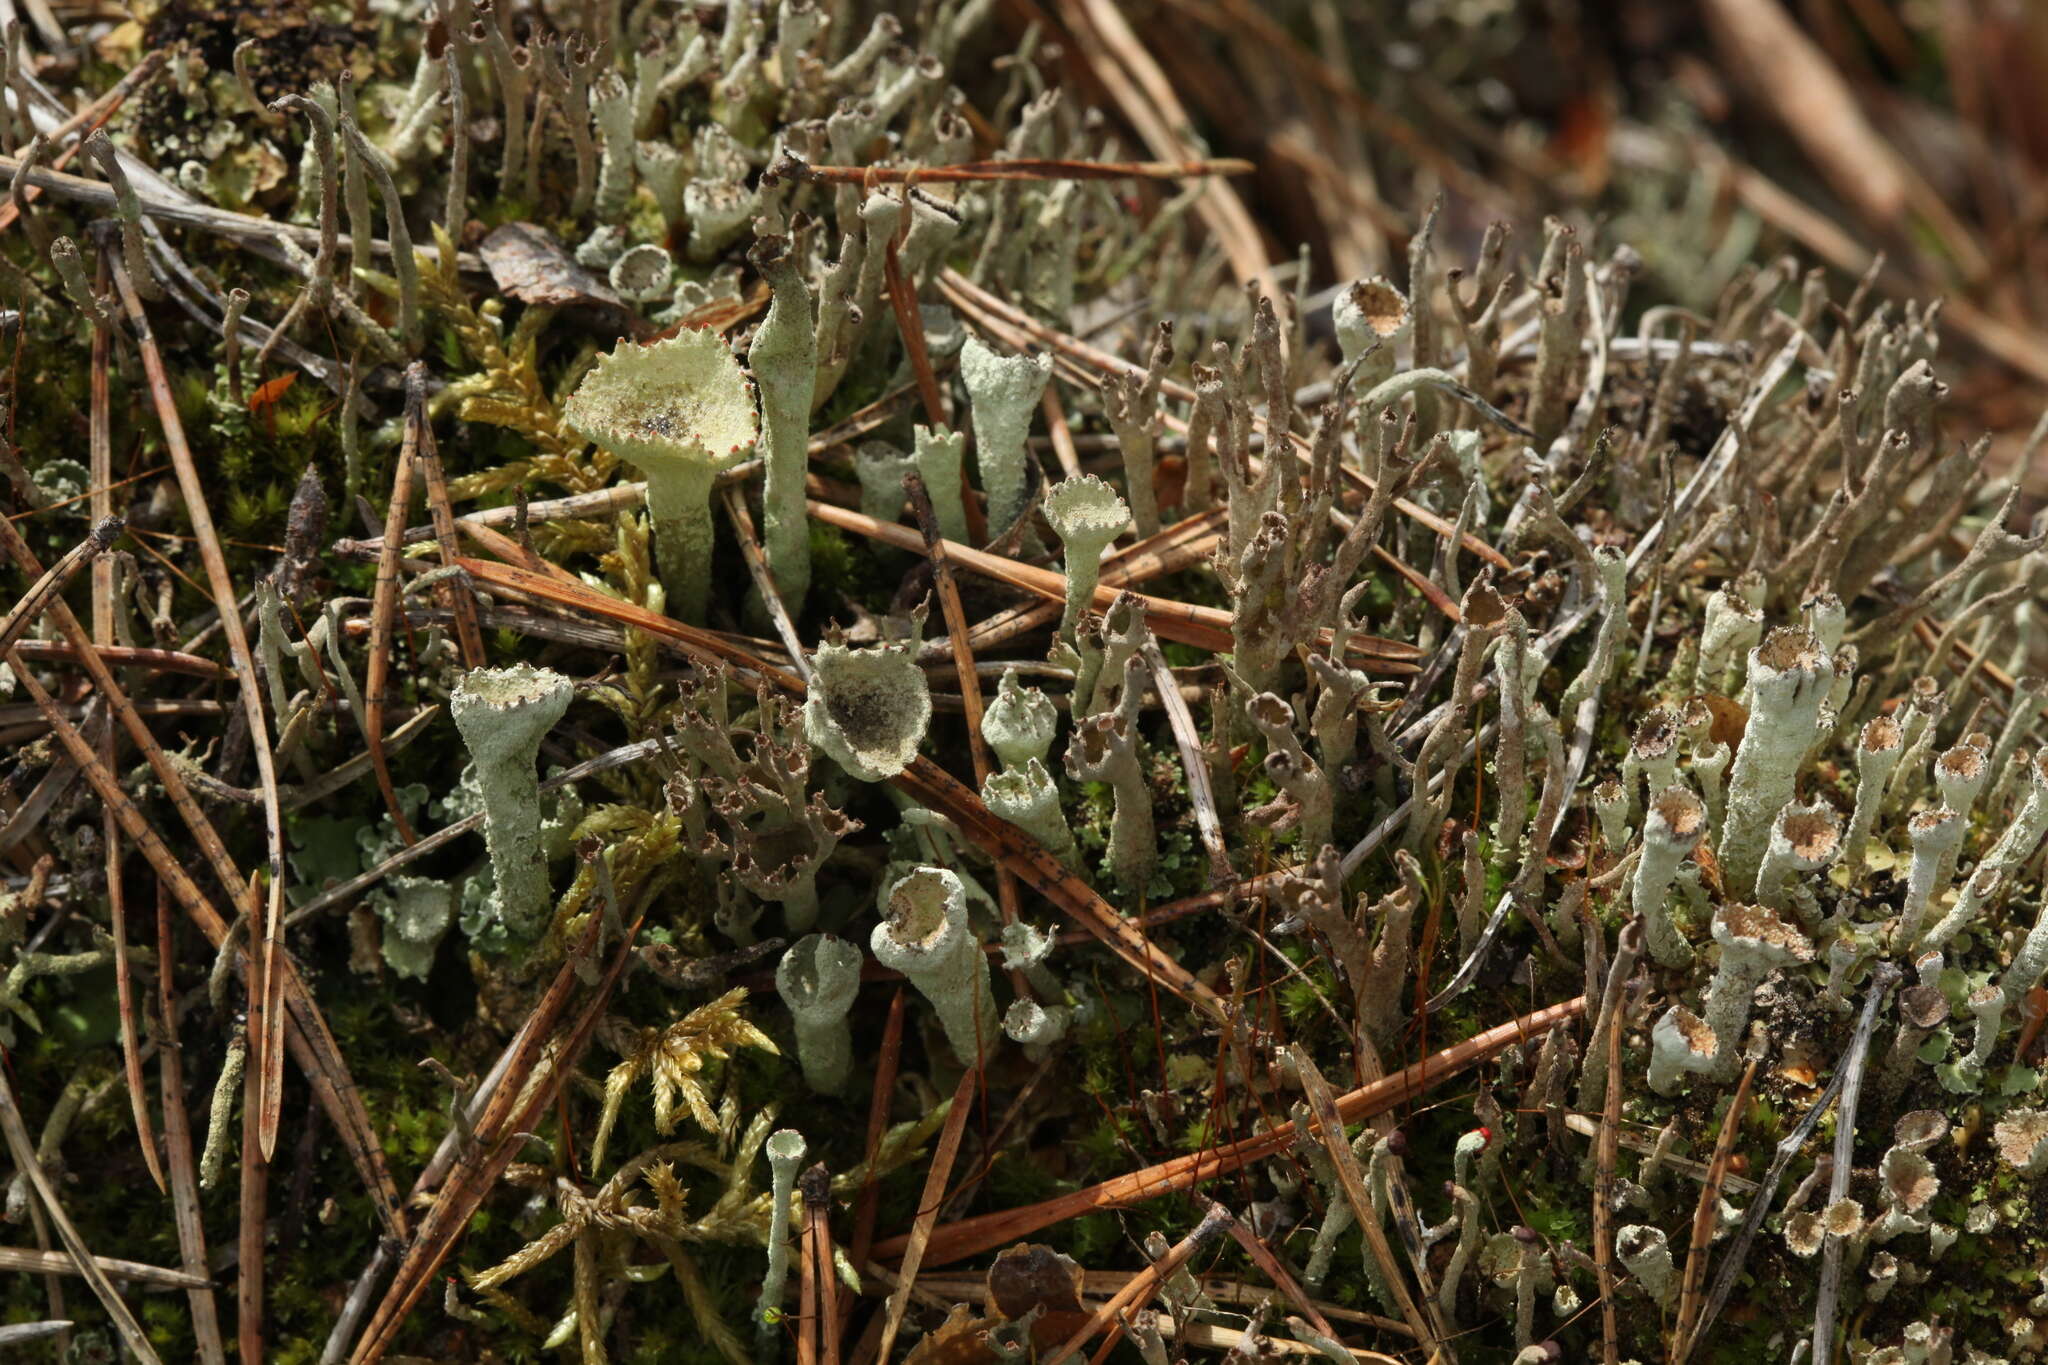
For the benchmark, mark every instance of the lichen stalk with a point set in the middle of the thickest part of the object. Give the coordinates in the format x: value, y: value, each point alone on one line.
x: 784, y: 360
x: 926, y: 936
x: 503, y: 714
x: 1789, y: 677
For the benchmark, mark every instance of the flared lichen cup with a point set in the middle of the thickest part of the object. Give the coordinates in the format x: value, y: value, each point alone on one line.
x: 681, y: 411
x: 1087, y: 515
x: 868, y: 708
x: 503, y: 714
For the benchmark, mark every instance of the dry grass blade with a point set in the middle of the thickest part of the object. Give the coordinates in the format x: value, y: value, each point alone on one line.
x: 124, y: 992
x: 384, y: 600
x: 1329, y: 1130
x: 1186, y: 738
x: 1185, y: 623
x: 974, y: 1235
x: 23, y: 1149
x: 41, y: 593
x: 129, y: 656
x: 266, y: 1022
x: 928, y: 1204
x: 318, y: 1055
x: 26, y: 1261
x: 253, y: 1206
x: 101, y: 444
x: 513, y: 1108
x: 184, y: 1162
x: 1603, y: 1192
x: 764, y: 580
x: 457, y: 596
x: 1705, y: 1215
x: 1024, y: 168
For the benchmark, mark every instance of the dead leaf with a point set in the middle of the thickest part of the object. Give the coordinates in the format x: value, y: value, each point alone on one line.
x: 1710, y: 870
x: 1028, y: 1276
x: 1731, y: 718
x: 529, y: 264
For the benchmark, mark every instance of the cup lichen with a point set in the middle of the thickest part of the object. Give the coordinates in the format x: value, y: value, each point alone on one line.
x: 503, y: 714
x: 681, y: 411
x: 926, y: 936
x: 868, y: 708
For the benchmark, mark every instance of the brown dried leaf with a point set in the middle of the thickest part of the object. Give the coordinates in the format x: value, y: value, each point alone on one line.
x: 528, y: 263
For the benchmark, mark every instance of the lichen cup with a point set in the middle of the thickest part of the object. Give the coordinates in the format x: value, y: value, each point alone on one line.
x: 681, y: 411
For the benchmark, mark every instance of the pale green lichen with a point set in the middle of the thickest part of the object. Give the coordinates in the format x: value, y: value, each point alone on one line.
x: 681, y: 411
x: 927, y: 937
x: 1371, y: 318
x: 1026, y: 797
x: 817, y: 979
x: 1003, y: 393
x: 503, y: 714
x: 785, y: 1149
x: 1789, y: 677
x: 1020, y: 723
x: 868, y: 708
x: 940, y: 454
x: 784, y: 359
x: 1104, y: 748
x: 1087, y: 515
x: 416, y: 912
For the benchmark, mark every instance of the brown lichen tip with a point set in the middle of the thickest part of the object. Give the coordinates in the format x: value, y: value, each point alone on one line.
x: 1923, y: 1007
x: 1761, y: 932
x: 1375, y: 304
x: 1882, y: 735
x: 1964, y: 763
x: 1920, y: 1129
x: 685, y: 397
x: 1792, y: 648
x: 1682, y: 813
x: 2022, y: 1140
x: 1813, y: 832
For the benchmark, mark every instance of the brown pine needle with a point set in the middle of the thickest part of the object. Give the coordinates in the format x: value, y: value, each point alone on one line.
x: 314, y: 1047
x: 457, y: 596
x: 1704, y: 1216
x: 909, y: 322
x: 970, y: 680
x: 974, y: 1235
x: 384, y: 602
x: 27, y: 611
x: 1182, y: 622
x: 1039, y: 169
x: 1142, y: 1287
x: 178, y: 1143
x: 514, y: 1108
x: 1329, y: 1130
x: 929, y: 1203
x: 887, y: 1060
x: 266, y: 1023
